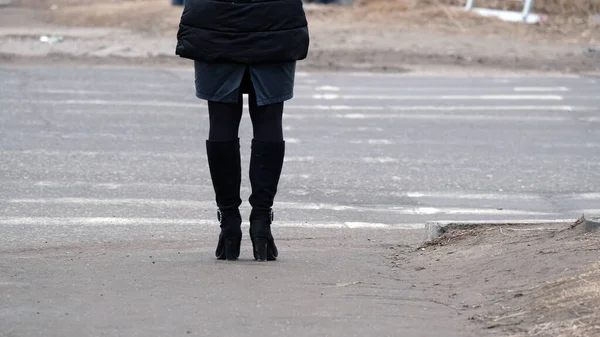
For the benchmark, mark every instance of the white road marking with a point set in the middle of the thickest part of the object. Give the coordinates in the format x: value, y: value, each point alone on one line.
x: 502, y: 221
x: 415, y: 194
x: 437, y: 97
x: 119, y: 221
x: 116, y: 202
x: 480, y: 108
x: 174, y: 203
x: 299, y: 159
x: 442, y: 117
x: 373, y: 141
x: 590, y: 211
x: 569, y: 145
x: 468, y: 211
x: 435, y: 76
x: 161, y: 104
x: 494, y: 108
x: 584, y: 196
x: 541, y: 89
x: 474, y: 196
x: 379, y: 88
x: 185, y: 92
x: 124, y: 154
x: 369, y: 128
x: 86, y: 92
x: 379, y: 160
x: 326, y: 107
x: 292, y: 176
x: 333, y: 107
x: 114, y: 186
x: 327, y: 88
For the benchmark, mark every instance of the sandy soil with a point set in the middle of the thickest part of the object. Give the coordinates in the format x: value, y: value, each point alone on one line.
x: 514, y: 280
x: 385, y: 36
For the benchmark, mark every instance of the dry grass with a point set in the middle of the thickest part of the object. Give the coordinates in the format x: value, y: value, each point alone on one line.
x: 566, y: 307
x: 568, y: 20
x: 555, y: 7
x: 160, y: 18
x: 148, y: 16
x: 569, y: 307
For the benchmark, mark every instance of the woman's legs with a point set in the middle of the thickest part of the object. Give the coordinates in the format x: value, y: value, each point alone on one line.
x: 224, y: 120
x: 266, y: 161
x: 223, y: 152
x: 267, y: 121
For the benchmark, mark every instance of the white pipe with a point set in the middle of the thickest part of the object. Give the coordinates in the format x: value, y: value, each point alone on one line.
x: 469, y: 4
x: 527, y: 9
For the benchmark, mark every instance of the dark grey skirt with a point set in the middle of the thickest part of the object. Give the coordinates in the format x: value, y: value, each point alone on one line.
x: 222, y: 82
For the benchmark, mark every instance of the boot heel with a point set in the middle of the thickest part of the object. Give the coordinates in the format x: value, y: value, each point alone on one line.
x: 260, y: 249
x: 231, y: 249
x: 271, y: 251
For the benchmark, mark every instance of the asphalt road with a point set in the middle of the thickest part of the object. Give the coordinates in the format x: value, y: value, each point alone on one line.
x: 89, y: 143
x: 103, y: 167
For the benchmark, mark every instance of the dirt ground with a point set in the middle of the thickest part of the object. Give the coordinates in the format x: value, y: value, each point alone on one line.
x: 377, y: 34
x: 513, y: 280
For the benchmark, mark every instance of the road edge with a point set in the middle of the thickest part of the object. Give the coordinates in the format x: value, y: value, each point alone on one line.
x: 435, y: 229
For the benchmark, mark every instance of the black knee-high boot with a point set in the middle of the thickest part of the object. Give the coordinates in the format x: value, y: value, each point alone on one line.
x: 225, y: 172
x: 266, y: 162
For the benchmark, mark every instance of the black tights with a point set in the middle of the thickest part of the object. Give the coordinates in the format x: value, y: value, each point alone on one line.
x: 225, y: 120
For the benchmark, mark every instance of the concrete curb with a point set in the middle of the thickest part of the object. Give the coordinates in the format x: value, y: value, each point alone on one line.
x: 591, y: 223
x: 435, y: 229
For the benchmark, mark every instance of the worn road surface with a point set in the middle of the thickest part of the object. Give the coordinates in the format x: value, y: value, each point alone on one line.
x: 107, y: 218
